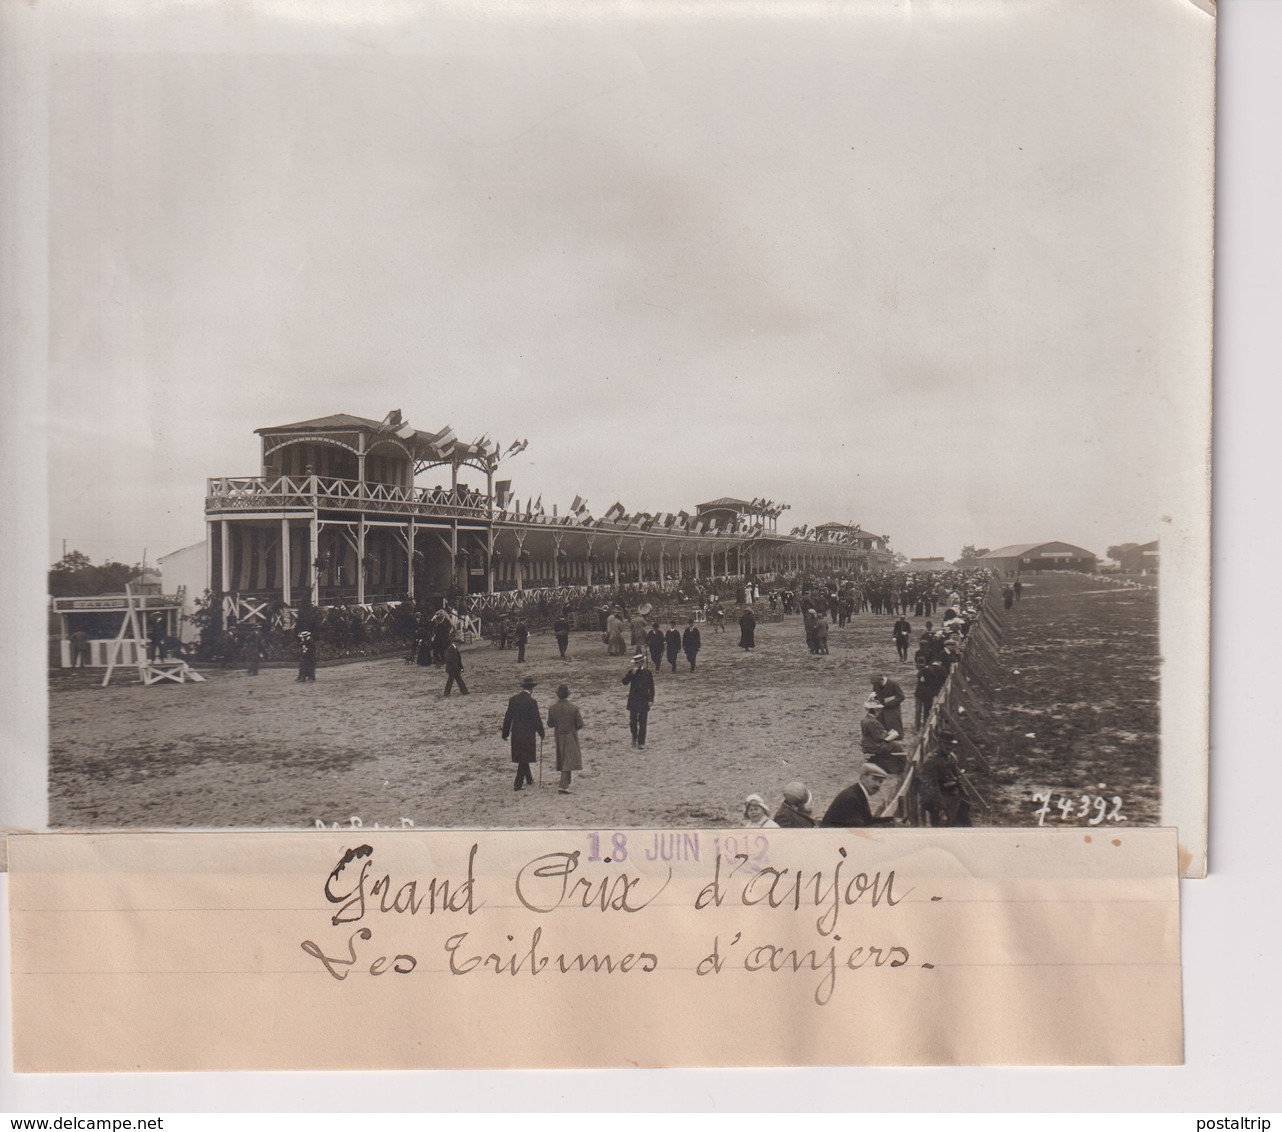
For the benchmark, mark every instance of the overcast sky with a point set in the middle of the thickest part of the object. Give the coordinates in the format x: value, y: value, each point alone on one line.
x: 942, y: 270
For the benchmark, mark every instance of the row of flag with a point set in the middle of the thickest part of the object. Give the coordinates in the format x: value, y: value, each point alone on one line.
x: 445, y: 444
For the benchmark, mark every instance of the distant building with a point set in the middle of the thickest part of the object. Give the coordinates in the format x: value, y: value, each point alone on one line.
x: 1141, y: 559
x: 923, y: 565
x: 1032, y: 557
x: 183, y: 572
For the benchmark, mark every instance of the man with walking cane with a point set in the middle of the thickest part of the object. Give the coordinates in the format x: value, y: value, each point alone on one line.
x: 522, y: 723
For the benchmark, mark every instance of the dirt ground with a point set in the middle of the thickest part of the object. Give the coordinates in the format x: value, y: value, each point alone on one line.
x: 377, y: 741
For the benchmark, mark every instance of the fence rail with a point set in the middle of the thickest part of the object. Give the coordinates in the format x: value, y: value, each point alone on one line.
x: 970, y: 681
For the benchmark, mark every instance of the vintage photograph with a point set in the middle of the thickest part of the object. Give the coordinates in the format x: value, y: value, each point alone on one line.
x: 631, y: 417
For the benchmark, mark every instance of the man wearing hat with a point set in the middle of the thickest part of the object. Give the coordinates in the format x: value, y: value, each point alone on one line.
x: 564, y: 718
x: 454, y: 666
x: 890, y: 695
x: 640, y: 681
x: 794, y: 811
x: 878, y: 743
x: 306, y: 656
x: 523, y: 723
x: 852, y: 808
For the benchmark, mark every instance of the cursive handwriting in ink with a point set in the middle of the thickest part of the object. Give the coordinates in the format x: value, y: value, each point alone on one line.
x: 544, y: 885
x: 439, y: 893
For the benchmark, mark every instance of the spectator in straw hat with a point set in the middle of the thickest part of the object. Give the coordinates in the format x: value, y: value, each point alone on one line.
x: 566, y: 721
x: 523, y: 724
x: 852, y: 808
x: 640, y: 681
x: 794, y: 811
x: 306, y: 656
x: 890, y: 695
x: 877, y: 743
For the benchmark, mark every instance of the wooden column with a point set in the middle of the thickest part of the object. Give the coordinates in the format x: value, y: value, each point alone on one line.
x: 489, y: 559
x: 286, y: 593
x: 409, y: 584
x: 360, y: 561
x: 314, y: 545
x: 616, y: 566
x: 224, y: 574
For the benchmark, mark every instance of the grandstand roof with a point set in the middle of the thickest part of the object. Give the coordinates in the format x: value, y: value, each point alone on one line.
x: 334, y: 420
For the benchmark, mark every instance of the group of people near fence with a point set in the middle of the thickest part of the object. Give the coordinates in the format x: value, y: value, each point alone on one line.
x: 850, y: 808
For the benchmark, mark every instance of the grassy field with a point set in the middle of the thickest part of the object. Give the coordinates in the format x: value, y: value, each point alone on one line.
x: 1076, y: 712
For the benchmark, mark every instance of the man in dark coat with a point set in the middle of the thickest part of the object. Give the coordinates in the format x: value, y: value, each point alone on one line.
x: 902, y: 632
x: 748, y: 631
x: 561, y: 630
x: 877, y: 743
x: 522, y: 636
x: 524, y: 724
x: 654, y: 642
x: 943, y: 799
x: 930, y: 682
x: 691, y: 642
x: 640, y: 681
x: 454, y: 667
x: 254, y: 649
x: 852, y: 808
x: 890, y: 695
x: 672, y: 642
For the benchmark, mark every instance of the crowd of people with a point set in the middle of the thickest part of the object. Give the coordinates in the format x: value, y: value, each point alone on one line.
x: 640, y: 634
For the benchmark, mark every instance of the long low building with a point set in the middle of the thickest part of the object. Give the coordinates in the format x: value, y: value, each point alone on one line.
x: 338, y: 513
x: 1031, y: 557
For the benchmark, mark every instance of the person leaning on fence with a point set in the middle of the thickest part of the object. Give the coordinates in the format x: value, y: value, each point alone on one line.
x: 930, y: 679
x: 877, y: 742
x: 943, y: 800
x: 454, y: 667
x: 524, y: 725
x: 566, y: 721
x: 794, y: 810
x: 640, y: 681
x: 852, y: 807
x: 891, y: 695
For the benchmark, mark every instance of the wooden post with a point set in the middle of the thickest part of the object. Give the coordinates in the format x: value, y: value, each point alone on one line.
x: 409, y: 550
x: 224, y: 574
x: 489, y: 559
x: 454, y: 566
x: 286, y: 596
x: 360, y: 561
x: 209, y: 556
x: 314, y: 544
x: 616, y: 564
